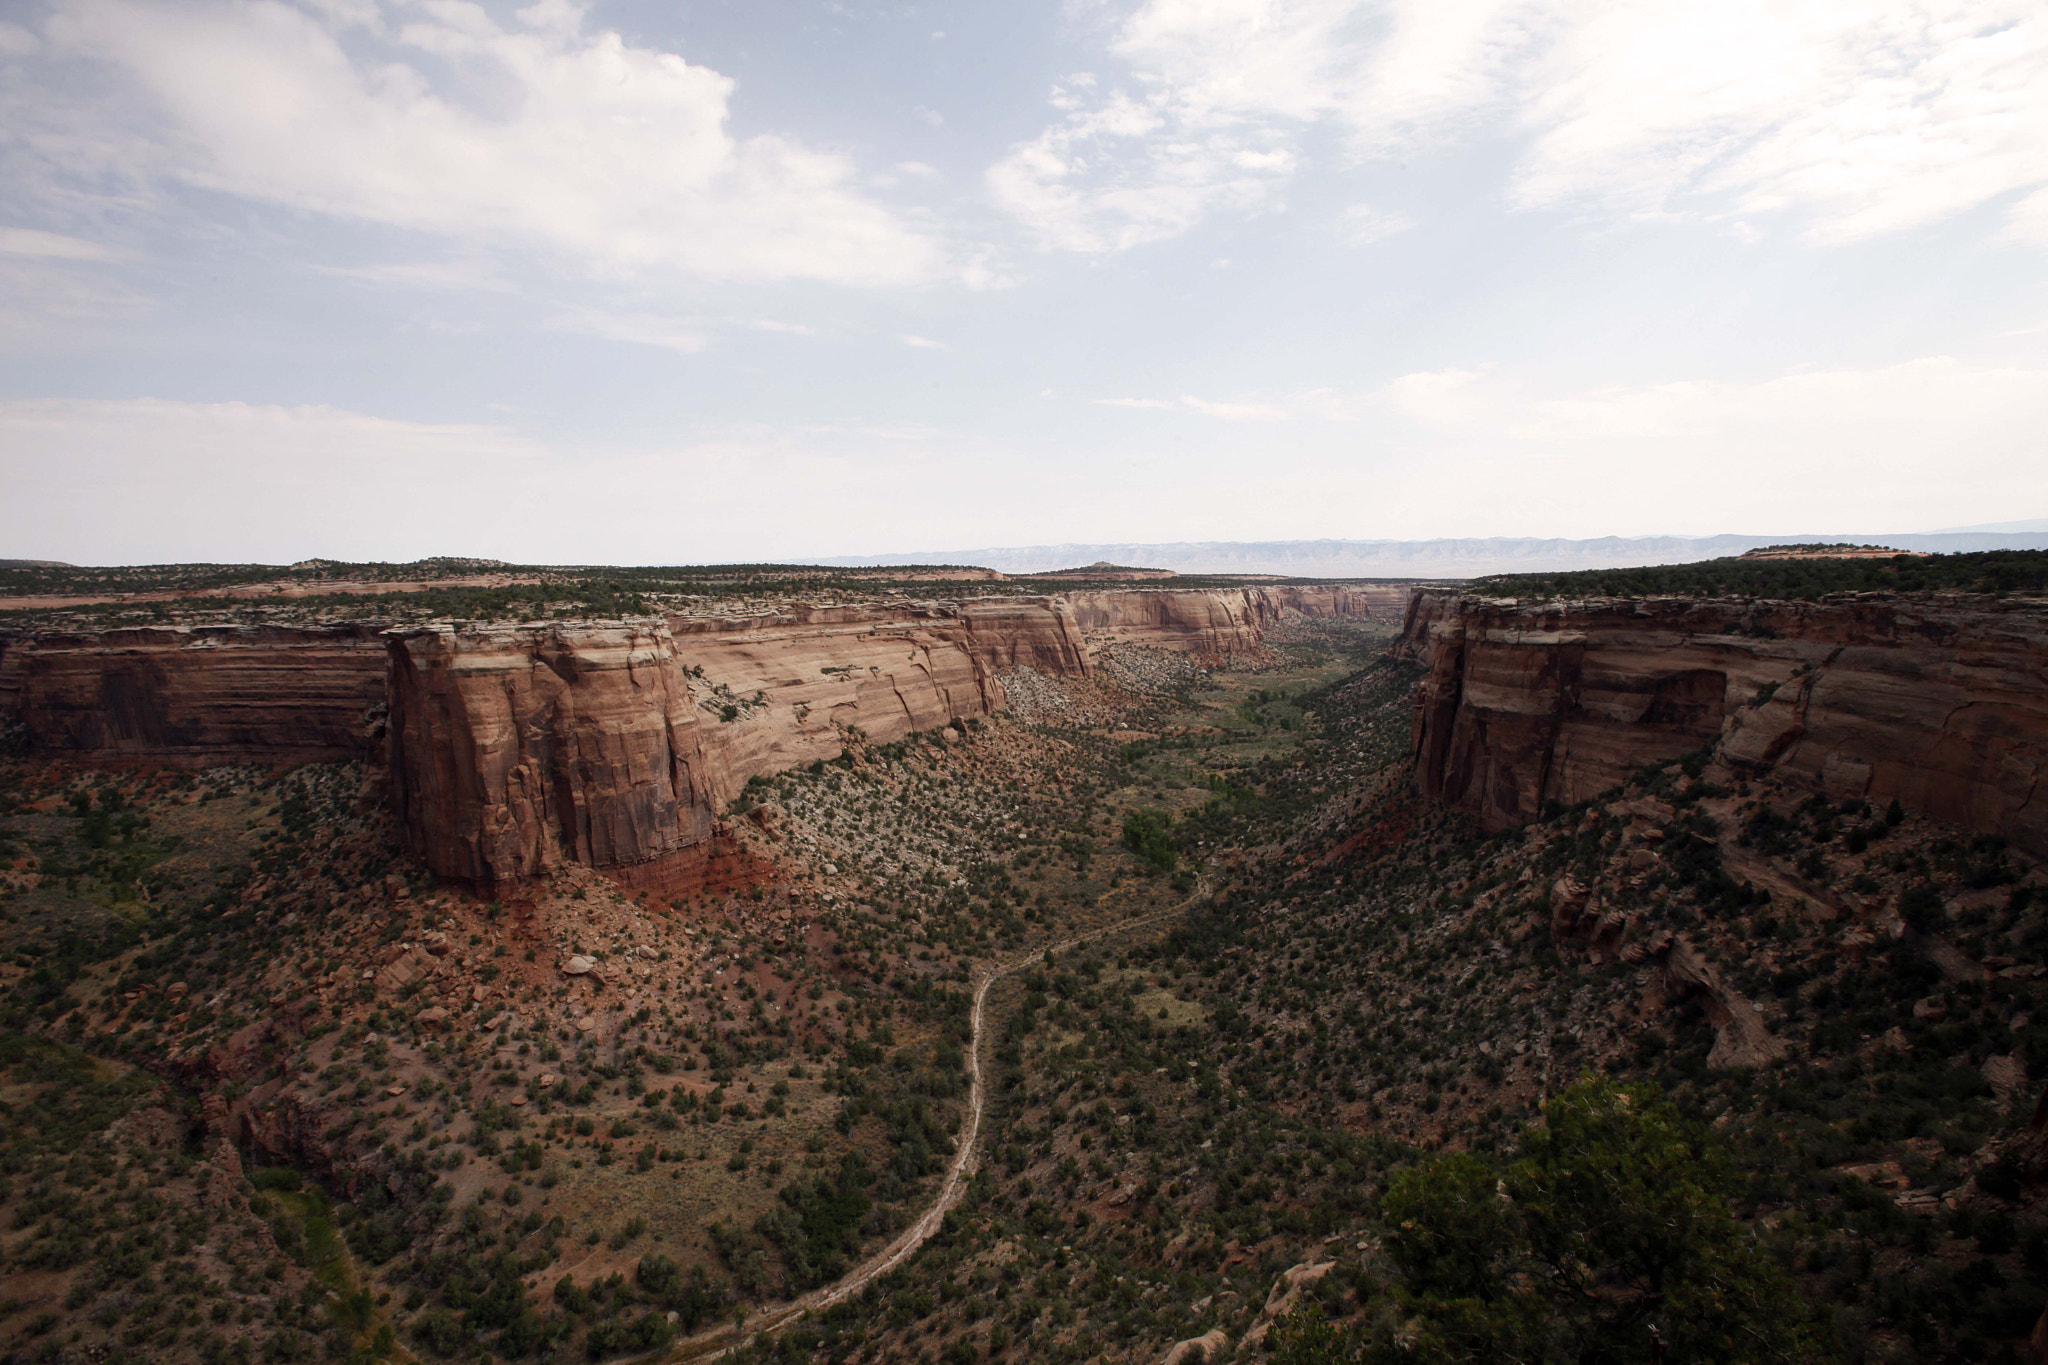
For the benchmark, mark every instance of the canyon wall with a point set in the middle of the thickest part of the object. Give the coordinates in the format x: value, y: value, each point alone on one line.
x: 196, y: 695
x: 1938, y: 702
x: 516, y: 748
x: 780, y: 691
x: 512, y: 749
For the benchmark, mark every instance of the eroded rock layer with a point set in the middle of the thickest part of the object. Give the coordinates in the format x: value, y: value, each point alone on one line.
x: 516, y: 748
x: 1940, y: 703
x: 197, y: 694
x: 783, y: 690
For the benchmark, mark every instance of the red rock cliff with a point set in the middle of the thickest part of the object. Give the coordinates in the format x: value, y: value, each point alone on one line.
x: 516, y: 748
x: 779, y: 691
x: 513, y: 749
x: 1199, y: 621
x: 1941, y: 703
x: 197, y: 694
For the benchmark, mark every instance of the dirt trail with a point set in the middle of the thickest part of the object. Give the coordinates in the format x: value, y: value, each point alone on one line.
x: 718, y: 1341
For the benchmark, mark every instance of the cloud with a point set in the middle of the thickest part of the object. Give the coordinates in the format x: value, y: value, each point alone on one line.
x: 1891, y: 447
x: 1862, y: 120
x: 54, y: 246
x: 637, y: 329
x: 1229, y: 412
x: 922, y: 343
x: 1855, y: 121
x: 149, y: 480
x: 1362, y: 224
x: 438, y: 119
x: 455, y: 274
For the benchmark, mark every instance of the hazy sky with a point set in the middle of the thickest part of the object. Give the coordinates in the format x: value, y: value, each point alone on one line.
x: 675, y: 282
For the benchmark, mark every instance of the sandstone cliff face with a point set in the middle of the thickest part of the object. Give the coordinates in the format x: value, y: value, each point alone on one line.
x: 1358, y: 601
x: 779, y: 691
x: 516, y: 748
x: 1199, y: 621
x: 198, y: 694
x: 1941, y: 703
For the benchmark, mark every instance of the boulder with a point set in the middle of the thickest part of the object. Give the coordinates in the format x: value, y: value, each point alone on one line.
x: 1206, y: 1349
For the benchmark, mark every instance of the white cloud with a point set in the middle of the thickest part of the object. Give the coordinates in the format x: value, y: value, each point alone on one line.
x: 1858, y: 120
x: 437, y: 119
x: 454, y: 274
x: 1132, y: 170
x: 922, y: 343
x: 637, y: 329
x: 54, y: 246
x: 1227, y: 411
x: 1362, y: 224
x: 1864, y: 119
x: 1895, y: 447
x: 150, y: 480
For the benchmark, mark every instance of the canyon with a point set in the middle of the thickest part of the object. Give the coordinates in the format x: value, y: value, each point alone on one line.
x: 512, y: 749
x: 646, y: 941
x: 1937, y: 702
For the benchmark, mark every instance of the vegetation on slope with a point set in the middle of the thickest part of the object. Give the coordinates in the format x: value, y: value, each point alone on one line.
x: 1988, y: 571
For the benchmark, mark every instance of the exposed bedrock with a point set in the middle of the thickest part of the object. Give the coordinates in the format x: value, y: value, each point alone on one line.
x: 779, y: 691
x: 196, y: 694
x: 1194, y: 620
x: 1939, y: 702
x: 516, y: 748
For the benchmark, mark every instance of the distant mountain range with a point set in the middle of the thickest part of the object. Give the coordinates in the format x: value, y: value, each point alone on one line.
x: 1454, y: 558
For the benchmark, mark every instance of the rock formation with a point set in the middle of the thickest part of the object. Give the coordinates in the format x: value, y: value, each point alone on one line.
x: 1940, y: 703
x: 197, y: 694
x: 516, y: 748
x: 513, y: 749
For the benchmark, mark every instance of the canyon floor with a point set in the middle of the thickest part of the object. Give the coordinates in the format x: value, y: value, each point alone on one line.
x: 271, y: 1092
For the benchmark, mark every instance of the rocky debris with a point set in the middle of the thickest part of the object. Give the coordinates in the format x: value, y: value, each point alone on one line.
x: 1741, y: 1039
x: 1207, y: 1349
x: 1147, y: 670
x: 151, y: 1126
x: 579, y: 966
x: 1281, y: 1299
x: 2007, y: 1076
x: 1069, y: 703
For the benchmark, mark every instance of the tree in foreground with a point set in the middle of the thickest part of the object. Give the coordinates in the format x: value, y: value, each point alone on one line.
x: 1608, y: 1240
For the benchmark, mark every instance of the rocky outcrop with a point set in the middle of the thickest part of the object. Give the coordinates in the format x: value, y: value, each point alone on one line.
x: 784, y: 690
x: 1198, y: 621
x: 197, y: 695
x: 1358, y: 601
x: 1938, y: 702
x: 516, y: 748
x: 513, y: 749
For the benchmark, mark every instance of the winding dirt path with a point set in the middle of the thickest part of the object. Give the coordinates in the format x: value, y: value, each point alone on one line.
x: 718, y: 1341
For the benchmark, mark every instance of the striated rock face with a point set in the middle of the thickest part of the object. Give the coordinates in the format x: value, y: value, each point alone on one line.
x: 1938, y: 702
x: 779, y: 691
x: 516, y: 748
x: 1199, y: 621
x: 1359, y: 601
x: 197, y: 694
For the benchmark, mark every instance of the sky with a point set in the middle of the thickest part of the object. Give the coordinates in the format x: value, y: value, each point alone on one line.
x: 645, y: 282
